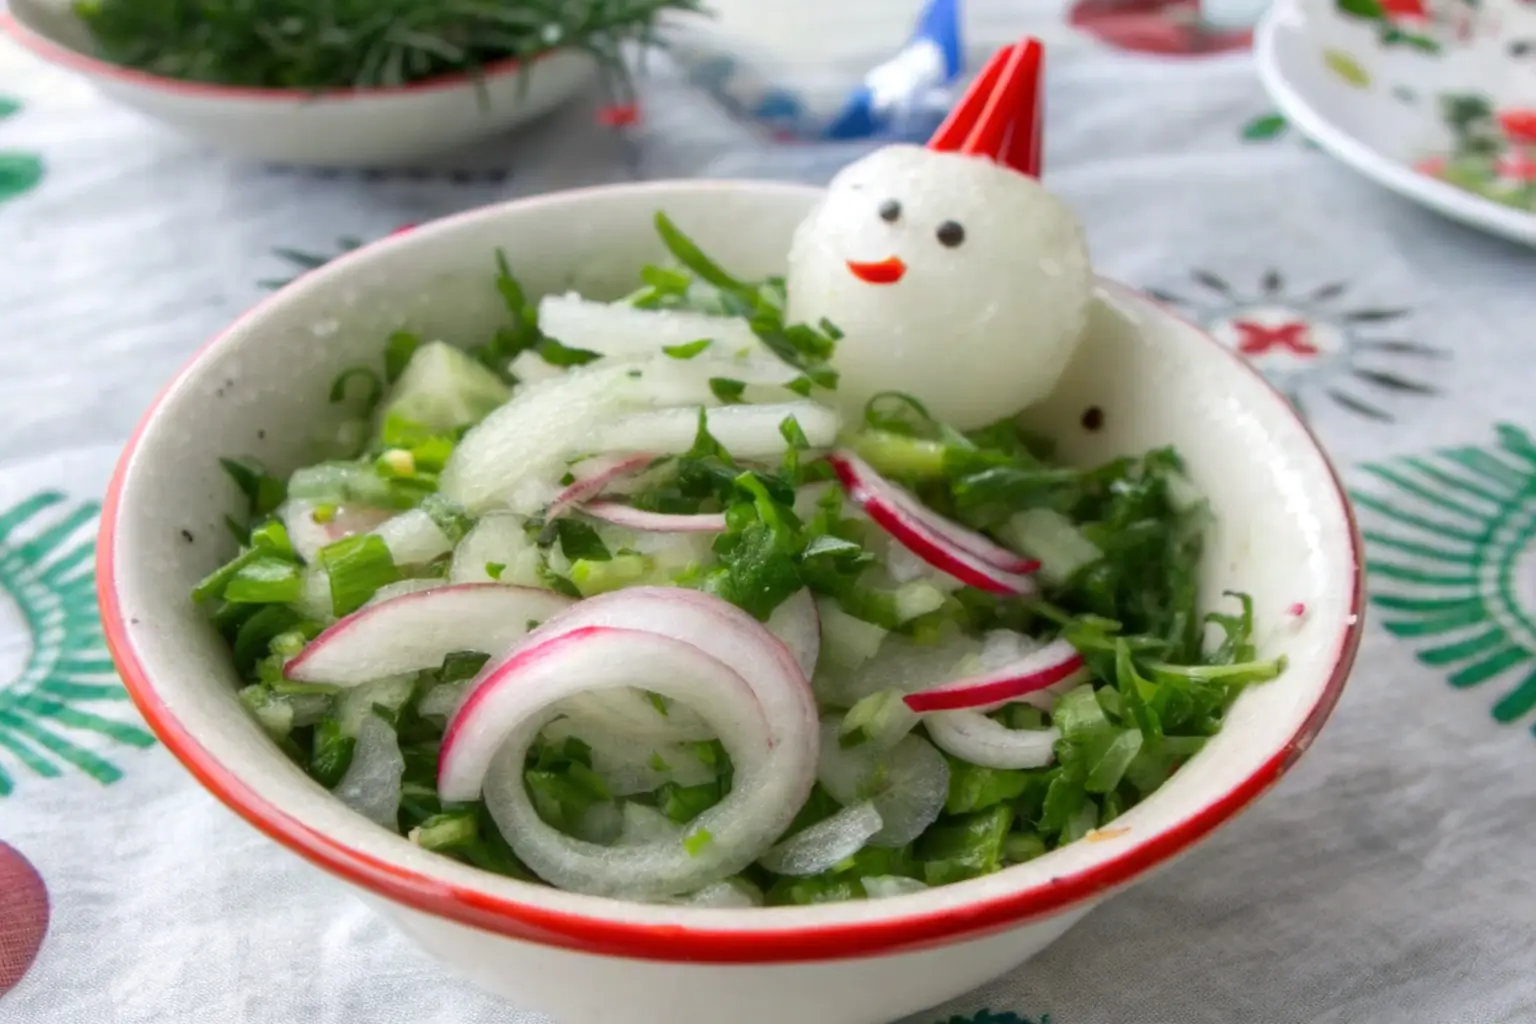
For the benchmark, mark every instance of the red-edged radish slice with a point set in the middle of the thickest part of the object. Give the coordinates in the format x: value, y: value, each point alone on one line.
x: 654, y: 522
x: 416, y: 631
x: 972, y: 736
x: 1046, y: 667
x: 966, y: 540
x: 892, y: 509
x: 487, y: 741
x: 592, y: 478
x: 797, y: 625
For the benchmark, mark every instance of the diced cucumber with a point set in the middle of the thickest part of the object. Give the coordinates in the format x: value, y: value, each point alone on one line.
x: 443, y: 389
x: 1050, y: 536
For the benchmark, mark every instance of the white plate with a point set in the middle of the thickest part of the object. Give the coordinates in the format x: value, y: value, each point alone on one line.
x: 1368, y: 129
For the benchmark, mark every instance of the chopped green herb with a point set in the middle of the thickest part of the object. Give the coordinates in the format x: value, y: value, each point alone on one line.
x: 687, y: 351
x: 357, y: 566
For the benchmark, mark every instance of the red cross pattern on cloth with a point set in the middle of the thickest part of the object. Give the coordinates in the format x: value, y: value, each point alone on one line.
x: 1256, y: 339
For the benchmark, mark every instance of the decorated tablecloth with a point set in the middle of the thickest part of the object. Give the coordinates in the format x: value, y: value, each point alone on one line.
x: 1388, y: 879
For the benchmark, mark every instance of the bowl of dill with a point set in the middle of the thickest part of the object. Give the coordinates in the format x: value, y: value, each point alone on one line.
x: 359, y: 83
x: 578, y: 618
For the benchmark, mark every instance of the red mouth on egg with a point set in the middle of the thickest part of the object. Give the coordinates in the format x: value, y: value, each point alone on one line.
x: 886, y: 271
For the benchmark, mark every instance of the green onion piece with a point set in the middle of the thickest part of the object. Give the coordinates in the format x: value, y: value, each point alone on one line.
x: 451, y: 830
x: 272, y: 537
x: 213, y: 584
x: 593, y: 578
x: 687, y: 252
x: 263, y: 492
x: 331, y: 753
x: 896, y: 455
x: 449, y: 517
x: 357, y: 567
x: 687, y: 351
x: 660, y: 703
x: 373, y: 388
x: 397, y: 353
x: 791, y: 431
x: 556, y: 354
x: 495, y: 569
x: 727, y: 390
x: 697, y: 841
x: 684, y: 803
x: 265, y: 580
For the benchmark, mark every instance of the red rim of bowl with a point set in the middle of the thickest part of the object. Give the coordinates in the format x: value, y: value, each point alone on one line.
x: 54, y: 52
x: 674, y: 942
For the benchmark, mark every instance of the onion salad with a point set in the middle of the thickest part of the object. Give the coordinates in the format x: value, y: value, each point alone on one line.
x: 620, y: 602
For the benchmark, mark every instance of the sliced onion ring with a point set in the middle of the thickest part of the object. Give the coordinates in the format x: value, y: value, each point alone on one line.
x: 487, y: 742
x: 915, y: 528
x: 416, y: 631
x: 972, y: 736
x: 1046, y: 667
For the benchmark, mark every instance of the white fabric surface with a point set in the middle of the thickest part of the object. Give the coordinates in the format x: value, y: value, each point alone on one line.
x: 1388, y: 879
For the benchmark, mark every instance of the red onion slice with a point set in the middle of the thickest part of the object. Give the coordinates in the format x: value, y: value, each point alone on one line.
x: 593, y: 477
x: 897, y: 513
x: 654, y: 522
x: 1046, y: 667
x: 416, y: 631
x: 972, y: 736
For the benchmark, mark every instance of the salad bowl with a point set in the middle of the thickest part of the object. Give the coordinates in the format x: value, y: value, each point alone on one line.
x: 1283, y: 532
x: 359, y: 128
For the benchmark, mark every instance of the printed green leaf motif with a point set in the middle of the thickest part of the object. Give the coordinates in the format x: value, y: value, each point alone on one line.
x: 1369, y: 9
x: 1263, y: 129
x: 8, y: 107
x: 990, y: 1017
x: 19, y: 172
x: 1451, y: 539
x: 67, y: 703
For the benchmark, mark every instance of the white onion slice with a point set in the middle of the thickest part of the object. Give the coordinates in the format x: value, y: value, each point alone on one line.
x: 417, y: 631
x: 731, y: 894
x: 644, y: 824
x: 371, y: 784
x: 972, y: 736
x: 355, y: 706
x: 413, y: 538
x: 797, y: 625
x: 886, y: 886
x: 497, y: 540
x: 746, y: 431
x: 308, y: 536
x: 825, y: 844
x: 897, y: 513
x: 908, y: 784
x: 654, y: 522
x: 619, y: 329
x: 1039, y: 670
x: 629, y: 712
x: 510, y: 705
x: 770, y: 784
x: 593, y: 477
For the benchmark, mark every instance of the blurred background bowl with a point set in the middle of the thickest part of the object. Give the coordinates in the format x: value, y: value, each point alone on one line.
x: 354, y: 128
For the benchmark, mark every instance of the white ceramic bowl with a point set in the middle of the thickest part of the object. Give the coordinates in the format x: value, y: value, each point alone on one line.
x: 1285, y: 534
x: 363, y: 128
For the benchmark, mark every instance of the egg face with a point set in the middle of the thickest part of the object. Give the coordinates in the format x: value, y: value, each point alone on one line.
x: 953, y: 279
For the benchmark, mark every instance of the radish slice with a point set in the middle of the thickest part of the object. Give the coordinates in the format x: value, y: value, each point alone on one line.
x: 654, y: 522
x: 1051, y: 664
x: 417, y: 631
x: 592, y: 478
x: 746, y: 431
x: 825, y: 844
x: 907, y: 784
x: 509, y: 706
x: 797, y: 625
x: 950, y: 549
x: 771, y: 781
x: 972, y: 736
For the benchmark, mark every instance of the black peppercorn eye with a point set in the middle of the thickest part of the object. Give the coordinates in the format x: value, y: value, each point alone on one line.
x: 950, y: 234
x: 890, y: 211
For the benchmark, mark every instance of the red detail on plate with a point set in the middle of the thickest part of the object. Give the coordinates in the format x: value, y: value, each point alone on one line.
x: 886, y: 271
x: 23, y: 916
x: 1519, y: 125
x: 1155, y: 26
x: 402, y: 229
x: 1404, y: 10
x: 1258, y: 339
x: 1297, y: 610
x: 596, y: 933
x: 620, y: 115
x: 1517, y: 166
